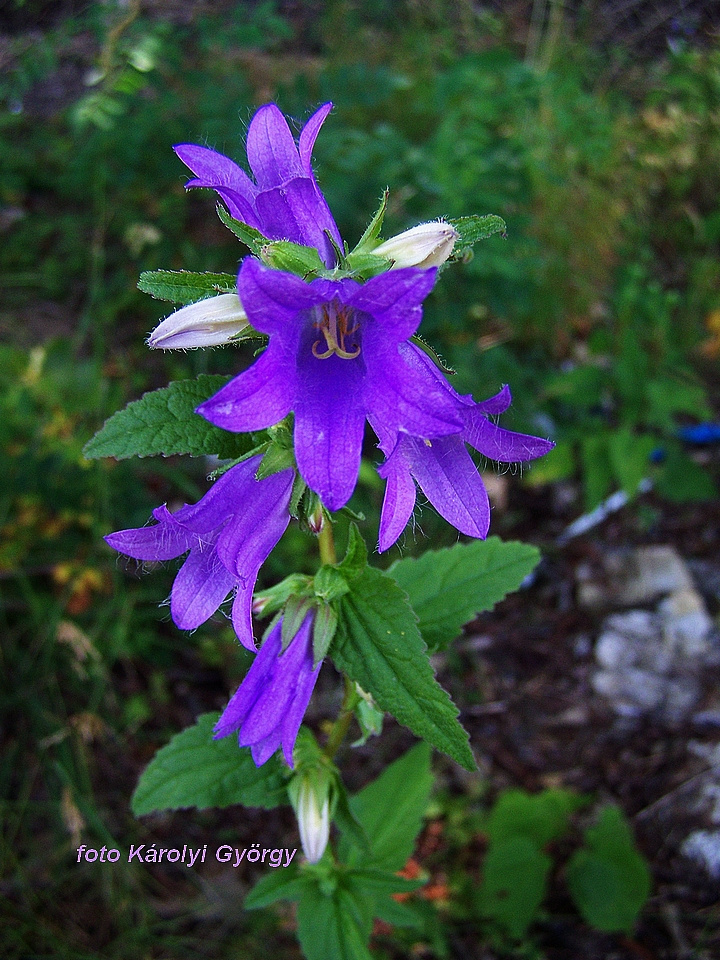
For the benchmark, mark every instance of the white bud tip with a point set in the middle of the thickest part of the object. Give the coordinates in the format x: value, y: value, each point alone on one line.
x: 426, y: 245
x: 207, y: 323
x: 314, y: 823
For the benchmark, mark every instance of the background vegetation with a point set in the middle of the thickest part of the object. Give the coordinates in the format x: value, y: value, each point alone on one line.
x: 601, y: 309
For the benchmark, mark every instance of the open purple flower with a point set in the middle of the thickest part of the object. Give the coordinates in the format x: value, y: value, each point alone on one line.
x: 284, y: 202
x: 334, y: 358
x: 228, y: 533
x: 442, y: 465
x: 270, y: 703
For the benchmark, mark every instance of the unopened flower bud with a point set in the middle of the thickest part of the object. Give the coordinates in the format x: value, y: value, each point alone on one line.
x: 207, y: 323
x: 313, y: 815
x: 258, y: 605
x: 427, y: 245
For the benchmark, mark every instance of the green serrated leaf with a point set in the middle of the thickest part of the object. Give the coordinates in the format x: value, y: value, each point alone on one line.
x: 334, y: 926
x: 473, y: 229
x: 449, y: 587
x: 182, y: 286
x: 355, y: 559
x: 194, y: 770
x: 398, y: 915
x: 347, y: 822
x: 324, y: 628
x: 608, y: 879
x: 164, y: 422
x: 284, y: 884
x: 252, y: 238
x: 329, y: 583
x: 275, y: 459
x: 384, y: 882
x: 293, y: 258
x: 372, y: 231
x: 379, y: 646
x: 390, y: 810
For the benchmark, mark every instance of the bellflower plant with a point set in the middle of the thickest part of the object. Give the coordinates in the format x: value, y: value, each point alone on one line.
x: 286, y: 437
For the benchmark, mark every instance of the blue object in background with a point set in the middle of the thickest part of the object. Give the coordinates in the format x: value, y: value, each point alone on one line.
x: 701, y: 434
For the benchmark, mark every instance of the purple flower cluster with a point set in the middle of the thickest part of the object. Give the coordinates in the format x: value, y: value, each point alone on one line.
x: 269, y: 706
x: 338, y: 354
x: 228, y: 534
x: 284, y: 202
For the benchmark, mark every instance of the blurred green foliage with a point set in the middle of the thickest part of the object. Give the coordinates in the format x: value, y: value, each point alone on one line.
x: 600, y: 310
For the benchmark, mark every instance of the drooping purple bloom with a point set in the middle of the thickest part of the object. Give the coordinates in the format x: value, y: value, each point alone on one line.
x: 228, y: 533
x: 442, y: 466
x: 335, y: 359
x: 284, y: 202
x: 270, y: 703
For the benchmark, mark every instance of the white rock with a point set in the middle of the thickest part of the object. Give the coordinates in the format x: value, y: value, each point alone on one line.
x: 649, y: 573
x: 703, y: 846
x: 686, y: 624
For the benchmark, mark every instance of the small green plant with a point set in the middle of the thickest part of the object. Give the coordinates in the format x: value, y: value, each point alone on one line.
x: 608, y: 880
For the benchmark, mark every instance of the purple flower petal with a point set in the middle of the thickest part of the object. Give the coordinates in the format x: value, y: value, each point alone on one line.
x: 218, y: 172
x: 163, y: 541
x: 497, y: 404
x: 504, y: 446
x: 399, y: 500
x: 297, y: 211
x: 308, y: 136
x: 391, y: 298
x: 329, y: 426
x: 200, y: 587
x: 265, y: 514
x: 257, y: 678
x: 401, y: 400
x: 268, y: 708
x: 451, y: 482
x: 271, y: 150
x: 257, y: 398
x: 273, y: 299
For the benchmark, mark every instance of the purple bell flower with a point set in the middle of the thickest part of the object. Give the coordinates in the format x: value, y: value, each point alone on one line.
x: 285, y: 201
x: 334, y: 358
x: 228, y: 533
x: 270, y: 703
x: 442, y: 466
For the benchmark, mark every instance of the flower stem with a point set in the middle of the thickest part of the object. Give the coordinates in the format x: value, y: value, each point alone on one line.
x: 326, y: 543
x: 341, y: 725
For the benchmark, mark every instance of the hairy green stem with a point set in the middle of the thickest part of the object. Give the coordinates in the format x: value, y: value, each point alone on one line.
x: 342, y: 723
x: 326, y: 544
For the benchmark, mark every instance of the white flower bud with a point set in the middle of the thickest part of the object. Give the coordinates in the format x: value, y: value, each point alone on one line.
x: 313, y: 820
x: 427, y: 245
x: 207, y: 323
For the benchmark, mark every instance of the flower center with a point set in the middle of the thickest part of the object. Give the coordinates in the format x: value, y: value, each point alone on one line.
x: 336, y: 322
